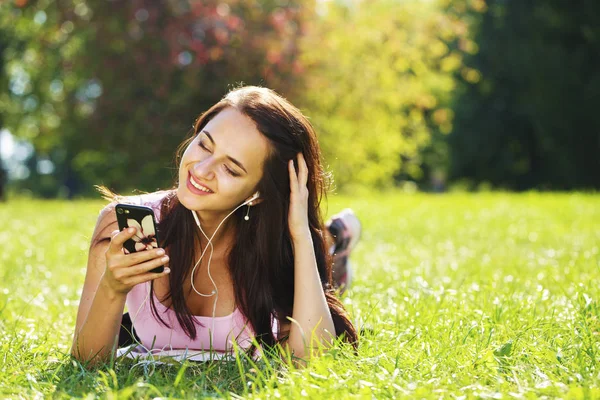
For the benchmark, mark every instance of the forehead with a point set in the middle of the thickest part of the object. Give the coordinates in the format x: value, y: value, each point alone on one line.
x: 236, y: 135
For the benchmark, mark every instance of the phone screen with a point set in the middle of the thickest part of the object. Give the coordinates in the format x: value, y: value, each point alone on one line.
x: 145, y: 236
x: 142, y: 219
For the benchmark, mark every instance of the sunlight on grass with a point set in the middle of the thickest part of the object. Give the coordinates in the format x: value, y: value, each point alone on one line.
x: 483, y: 295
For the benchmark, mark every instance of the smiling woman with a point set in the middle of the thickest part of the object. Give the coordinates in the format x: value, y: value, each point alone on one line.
x: 249, y: 187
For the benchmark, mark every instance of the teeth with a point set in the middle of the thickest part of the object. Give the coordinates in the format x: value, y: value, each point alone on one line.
x: 197, y: 186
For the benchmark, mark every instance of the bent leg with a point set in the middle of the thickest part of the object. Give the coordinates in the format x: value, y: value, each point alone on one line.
x: 345, y: 230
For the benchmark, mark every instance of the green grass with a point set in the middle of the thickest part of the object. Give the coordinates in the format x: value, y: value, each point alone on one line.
x: 467, y: 296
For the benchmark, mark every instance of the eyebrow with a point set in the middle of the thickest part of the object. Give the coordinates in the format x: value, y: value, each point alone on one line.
x: 233, y: 160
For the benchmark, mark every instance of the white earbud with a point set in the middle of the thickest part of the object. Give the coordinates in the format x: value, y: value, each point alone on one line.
x: 254, y: 197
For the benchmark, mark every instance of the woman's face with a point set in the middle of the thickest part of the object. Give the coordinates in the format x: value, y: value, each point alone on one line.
x: 221, y: 167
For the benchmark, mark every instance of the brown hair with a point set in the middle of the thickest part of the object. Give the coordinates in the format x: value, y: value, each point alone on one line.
x: 261, y: 261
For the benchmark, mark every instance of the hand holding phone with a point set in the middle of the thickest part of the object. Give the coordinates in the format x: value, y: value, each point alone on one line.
x: 134, y: 256
x: 124, y: 271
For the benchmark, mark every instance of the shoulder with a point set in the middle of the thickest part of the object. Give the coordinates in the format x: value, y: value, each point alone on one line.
x: 149, y: 199
x: 154, y: 197
x: 106, y: 223
x: 155, y: 200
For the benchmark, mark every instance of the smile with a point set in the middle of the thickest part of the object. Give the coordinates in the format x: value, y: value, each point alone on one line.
x: 198, y: 186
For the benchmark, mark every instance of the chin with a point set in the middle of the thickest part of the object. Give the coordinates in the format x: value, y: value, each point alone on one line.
x: 184, y: 197
x: 192, y: 201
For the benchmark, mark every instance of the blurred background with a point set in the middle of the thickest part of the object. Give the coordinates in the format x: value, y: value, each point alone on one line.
x: 430, y: 95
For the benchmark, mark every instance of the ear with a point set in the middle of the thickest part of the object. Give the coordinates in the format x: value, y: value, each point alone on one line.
x: 257, y: 200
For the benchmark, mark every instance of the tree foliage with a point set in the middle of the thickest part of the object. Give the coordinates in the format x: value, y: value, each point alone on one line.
x: 380, y: 78
x: 528, y: 120
x: 108, y: 90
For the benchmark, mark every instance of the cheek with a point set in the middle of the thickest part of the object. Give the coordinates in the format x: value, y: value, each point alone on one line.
x: 229, y: 183
x: 232, y: 186
x: 185, y: 156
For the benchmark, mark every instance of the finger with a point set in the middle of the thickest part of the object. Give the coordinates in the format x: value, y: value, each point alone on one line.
x: 125, y: 261
x: 303, y: 170
x: 138, y: 234
x: 116, y: 242
x: 141, y: 256
x: 146, y: 277
x: 141, y: 268
x: 293, y: 177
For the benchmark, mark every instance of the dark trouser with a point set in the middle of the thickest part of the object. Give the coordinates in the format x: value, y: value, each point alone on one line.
x: 126, y: 332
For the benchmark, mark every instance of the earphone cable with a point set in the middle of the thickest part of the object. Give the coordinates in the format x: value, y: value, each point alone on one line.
x: 216, y: 290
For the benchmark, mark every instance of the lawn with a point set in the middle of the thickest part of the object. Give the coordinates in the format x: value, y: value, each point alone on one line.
x: 457, y: 296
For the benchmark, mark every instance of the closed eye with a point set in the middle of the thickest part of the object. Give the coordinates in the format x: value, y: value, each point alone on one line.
x: 201, y: 144
x: 227, y: 169
x: 230, y: 171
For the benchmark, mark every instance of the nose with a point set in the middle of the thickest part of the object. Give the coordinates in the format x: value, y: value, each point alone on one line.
x: 204, y: 169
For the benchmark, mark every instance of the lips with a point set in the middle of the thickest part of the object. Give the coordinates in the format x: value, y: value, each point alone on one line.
x: 195, y: 187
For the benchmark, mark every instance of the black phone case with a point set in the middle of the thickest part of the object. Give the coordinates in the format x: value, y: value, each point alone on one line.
x: 142, y: 218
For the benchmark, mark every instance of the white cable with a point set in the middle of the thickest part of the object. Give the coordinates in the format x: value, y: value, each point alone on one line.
x: 216, y: 290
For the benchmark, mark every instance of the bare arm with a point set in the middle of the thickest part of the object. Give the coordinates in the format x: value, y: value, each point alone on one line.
x: 110, y: 275
x: 312, y: 325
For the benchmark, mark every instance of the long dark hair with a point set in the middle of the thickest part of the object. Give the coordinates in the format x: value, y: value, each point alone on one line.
x: 261, y: 261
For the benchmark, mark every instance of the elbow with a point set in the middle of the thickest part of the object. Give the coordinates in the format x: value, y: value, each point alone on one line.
x: 88, y: 358
x: 76, y: 349
x: 77, y: 354
x: 91, y: 362
x: 317, y: 346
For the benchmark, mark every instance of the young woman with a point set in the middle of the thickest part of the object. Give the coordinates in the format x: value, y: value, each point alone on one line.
x: 243, y: 244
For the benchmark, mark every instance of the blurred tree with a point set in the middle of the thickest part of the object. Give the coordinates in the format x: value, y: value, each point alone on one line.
x: 5, y: 39
x: 379, y: 76
x: 526, y: 113
x: 107, y: 91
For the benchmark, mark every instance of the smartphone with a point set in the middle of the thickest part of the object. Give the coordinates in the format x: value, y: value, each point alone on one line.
x: 142, y: 218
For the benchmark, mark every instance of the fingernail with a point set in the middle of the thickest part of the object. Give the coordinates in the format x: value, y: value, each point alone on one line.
x: 160, y: 252
x: 165, y: 258
x: 167, y: 270
x: 131, y: 230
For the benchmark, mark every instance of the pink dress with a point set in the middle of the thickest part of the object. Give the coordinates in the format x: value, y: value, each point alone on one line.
x: 155, y: 336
